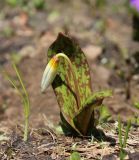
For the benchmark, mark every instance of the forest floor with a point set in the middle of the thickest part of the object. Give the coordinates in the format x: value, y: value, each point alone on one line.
x: 105, y: 35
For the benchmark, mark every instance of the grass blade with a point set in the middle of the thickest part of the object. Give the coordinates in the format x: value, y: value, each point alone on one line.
x: 126, y: 133
x: 120, y: 132
x: 23, y: 86
x: 24, y: 97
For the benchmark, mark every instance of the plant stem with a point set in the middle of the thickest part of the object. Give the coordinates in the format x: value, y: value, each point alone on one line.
x: 26, y: 123
x: 74, y: 78
x: 26, y: 129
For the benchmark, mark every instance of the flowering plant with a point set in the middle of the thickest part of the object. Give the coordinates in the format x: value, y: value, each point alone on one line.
x: 68, y: 71
x: 135, y: 4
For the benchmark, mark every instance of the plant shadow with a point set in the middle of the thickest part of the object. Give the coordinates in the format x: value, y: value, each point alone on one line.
x: 98, y: 134
x: 59, y: 82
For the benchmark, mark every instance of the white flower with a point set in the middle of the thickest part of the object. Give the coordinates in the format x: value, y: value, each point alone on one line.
x: 49, y: 73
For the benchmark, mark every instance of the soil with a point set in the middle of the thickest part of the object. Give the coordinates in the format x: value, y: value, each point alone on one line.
x: 105, y: 35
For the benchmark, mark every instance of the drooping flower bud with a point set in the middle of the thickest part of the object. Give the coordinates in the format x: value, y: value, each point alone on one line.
x: 49, y: 73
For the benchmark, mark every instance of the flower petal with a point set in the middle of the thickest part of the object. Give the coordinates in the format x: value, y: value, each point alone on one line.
x: 49, y: 73
x: 135, y: 4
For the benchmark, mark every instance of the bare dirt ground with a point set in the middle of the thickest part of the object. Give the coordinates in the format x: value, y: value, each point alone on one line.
x: 105, y: 35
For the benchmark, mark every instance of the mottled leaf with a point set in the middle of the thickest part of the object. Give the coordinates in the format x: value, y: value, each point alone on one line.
x: 84, y: 115
x: 76, y: 113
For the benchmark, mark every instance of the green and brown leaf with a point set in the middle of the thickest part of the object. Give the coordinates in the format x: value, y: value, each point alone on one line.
x: 78, y: 116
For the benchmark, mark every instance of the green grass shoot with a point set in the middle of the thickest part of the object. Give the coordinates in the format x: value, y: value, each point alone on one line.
x: 24, y: 98
x: 123, y: 141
